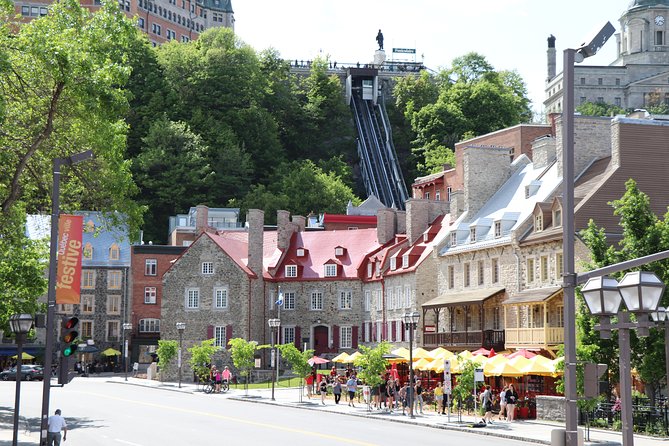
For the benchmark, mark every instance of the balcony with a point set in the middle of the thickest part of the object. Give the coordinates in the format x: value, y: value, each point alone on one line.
x: 465, y: 340
x: 534, y: 337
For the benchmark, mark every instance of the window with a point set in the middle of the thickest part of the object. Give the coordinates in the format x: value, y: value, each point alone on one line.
x: 291, y: 270
x: 427, y: 195
x: 494, y: 269
x: 544, y: 268
x: 192, y: 298
x: 466, y: 274
x: 454, y: 238
x: 112, y: 331
x: 497, y: 318
x: 582, y: 81
x: 113, y: 304
x: 65, y: 308
x: 86, y: 329
x: 219, y: 337
x: 659, y: 38
x: 220, y: 298
x: 451, y: 277
x: 558, y: 266
x: 437, y: 195
x: 300, y: 252
x: 449, y: 191
x: 150, y: 295
x: 185, y: 39
x: 600, y: 99
x: 88, y: 251
x: 368, y: 300
x: 149, y: 325
x: 559, y: 313
x: 369, y: 270
x: 498, y: 229
x: 171, y: 34
x: 472, y: 235
x: 390, y: 298
x: 114, y: 252
x: 393, y: 263
x: 379, y: 300
x: 617, y: 81
x: 530, y: 270
x: 25, y: 10
x: 155, y: 28
x: 114, y: 280
x: 407, y: 296
x: 618, y: 102
x: 399, y: 297
x: 289, y: 300
x: 345, y: 300
x: 207, y: 267
x: 583, y: 100
x: 150, y: 267
x: 481, y: 278
x: 405, y: 261
x: 345, y: 337
x: 339, y: 251
x: 557, y: 217
x: 87, y: 303
x: 330, y: 270
x: 140, y: 22
x: 88, y: 278
x: 316, y: 300
x: 538, y: 223
x: 288, y: 335
x: 378, y: 268
x: 600, y: 81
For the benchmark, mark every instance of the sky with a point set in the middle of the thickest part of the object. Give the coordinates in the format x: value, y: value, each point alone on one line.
x: 511, y: 34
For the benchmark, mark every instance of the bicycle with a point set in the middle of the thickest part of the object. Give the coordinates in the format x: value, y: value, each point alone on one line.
x: 225, y: 385
x: 209, y: 387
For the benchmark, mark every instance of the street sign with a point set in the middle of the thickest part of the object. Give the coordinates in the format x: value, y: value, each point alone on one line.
x: 404, y: 50
x: 478, y: 375
x: 447, y: 366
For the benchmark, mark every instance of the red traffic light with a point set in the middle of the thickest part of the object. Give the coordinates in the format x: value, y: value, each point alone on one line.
x: 70, y: 323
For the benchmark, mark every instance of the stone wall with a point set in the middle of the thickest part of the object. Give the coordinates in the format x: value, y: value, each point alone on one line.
x: 485, y: 170
x: 550, y: 408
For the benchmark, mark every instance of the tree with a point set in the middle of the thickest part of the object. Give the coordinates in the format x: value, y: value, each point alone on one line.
x: 201, y: 357
x: 167, y: 351
x: 464, y: 386
x: 599, y: 109
x: 371, y: 363
x: 298, y: 361
x: 243, y: 357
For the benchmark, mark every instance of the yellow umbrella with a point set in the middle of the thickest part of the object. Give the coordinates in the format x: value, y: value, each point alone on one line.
x: 465, y: 354
x: 519, y: 362
x: 351, y: 359
x: 437, y: 351
x: 539, y: 365
x: 421, y: 364
x: 403, y: 352
x: 504, y: 369
x: 342, y: 357
x: 111, y: 352
x: 436, y: 365
x: 444, y: 354
x: 421, y: 353
x: 494, y: 362
x: 24, y: 355
x: 479, y: 359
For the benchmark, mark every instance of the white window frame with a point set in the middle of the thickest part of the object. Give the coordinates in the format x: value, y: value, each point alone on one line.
x: 207, y: 268
x: 339, y: 251
x: 316, y: 298
x: 390, y: 298
x: 300, y: 252
x: 289, y: 299
x: 221, y: 298
x: 150, y: 294
x: 87, y: 303
x: 330, y: 270
x: 220, y: 338
x: 370, y: 269
x: 559, y: 267
x: 114, y: 252
x: 368, y: 300
x: 149, y: 325
x: 498, y: 229
x: 288, y: 334
x: 543, y: 268
x: 393, y: 263
x: 114, y: 279
x: 531, y: 273
x: 453, y: 238
x: 291, y: 271
x: 345, y: 300
x: 367, y: 327
x: 109, y: 333
x: 494, y: 270
x: 405, y: 261
x: 346, y: 336
x: 150, y: 267
x: 113, y: 304
x: 538, y: 223
x: 85, y: 333
x: 557, y: 218
x: 407, y: 296
x: 192, y: 297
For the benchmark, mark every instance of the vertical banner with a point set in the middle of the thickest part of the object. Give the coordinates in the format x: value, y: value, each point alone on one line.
x: 68, y: 277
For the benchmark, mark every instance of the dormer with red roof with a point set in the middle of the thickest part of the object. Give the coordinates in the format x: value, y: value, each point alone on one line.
x: 339, y: 251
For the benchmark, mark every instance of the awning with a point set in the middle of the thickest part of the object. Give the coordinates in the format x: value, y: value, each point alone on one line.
x: 535, y: 295
x: 9, y: 350
x: 461, y: 298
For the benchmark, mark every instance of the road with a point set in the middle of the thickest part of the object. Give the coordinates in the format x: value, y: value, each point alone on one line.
x: 103, y: 413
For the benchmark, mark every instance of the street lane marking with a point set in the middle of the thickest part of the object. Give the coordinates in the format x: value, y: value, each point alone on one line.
x: 238, y: 420
x: 127, y: 442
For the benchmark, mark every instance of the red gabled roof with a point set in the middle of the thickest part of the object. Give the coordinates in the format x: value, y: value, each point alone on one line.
x: 350, y: 219
x: 235, y: 244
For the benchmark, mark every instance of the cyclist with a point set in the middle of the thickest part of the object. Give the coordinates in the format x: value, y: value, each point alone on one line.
x: 227, y: 376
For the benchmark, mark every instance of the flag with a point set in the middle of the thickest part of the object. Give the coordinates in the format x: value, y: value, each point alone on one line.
x: 68, y: 276
x: 279, y: 301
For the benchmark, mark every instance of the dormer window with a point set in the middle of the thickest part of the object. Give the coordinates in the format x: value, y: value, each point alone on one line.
x: 330, y: 270
x: 405, y: 261
x: 538, y: 223
x: 557, y: 217
x: 472, y: 235
x: 498, y: 229
x: 114, y: 252
x: 291, y: 270
x: 90, y: 226
x: 88, y: 251
x: 339, y: 251
x: 426, y: 237
x: 300, y: 252
x: 378, y: 268
x: 454, y: 238
x: 369, y: 270
x: 393, y: 264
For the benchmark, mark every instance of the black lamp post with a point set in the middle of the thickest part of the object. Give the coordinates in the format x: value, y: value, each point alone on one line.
x: 274, y: 362
x: 127, y: 326
x: 410, y: 323
x: 20, y: 325
x: 641, y: 292
x: 181, y: 326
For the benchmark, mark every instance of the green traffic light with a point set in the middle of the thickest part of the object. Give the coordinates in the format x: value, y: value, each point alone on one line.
x: 69, y: 350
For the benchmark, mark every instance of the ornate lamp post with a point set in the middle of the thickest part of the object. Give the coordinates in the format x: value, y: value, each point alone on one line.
x: 20, y: 325
x: 641, y: 292
x: 127, y: 326
x: 274, y: 362
x: 181, y: 326
x: 410, y: 323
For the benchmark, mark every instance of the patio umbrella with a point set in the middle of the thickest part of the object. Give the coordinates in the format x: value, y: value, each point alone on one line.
x: 465, y: 354
x: 111, y: 352
x: 446, y: 354
x: 481, y: 351
x: 436, y: 365
x: 421, y: 353
x: 314, y: 360
x: 492, y: 353
x: 342, y: 357
x: 504, y: 369
x: 492, y: 363
x: 402, y: 351
x: 24, y: 355
x: 351, y: 359
x: 522, y: 352
x: 539, y: 365
x: 519, y: 362
x: 393, y: 358
x: 421, y: 364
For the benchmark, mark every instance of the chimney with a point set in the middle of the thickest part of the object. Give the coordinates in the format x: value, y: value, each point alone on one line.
x: 592, y: 141
x: 256, y: 221
x: 284, y: 229
x: 418, y: 213
x: 300, y: 221
x: 457, y: 204
x: 401, y: 222
x: 543, y: 151
x: 551, y: 58
x: 201, y: 218
x: 485, y: 170
x: 386, y: 225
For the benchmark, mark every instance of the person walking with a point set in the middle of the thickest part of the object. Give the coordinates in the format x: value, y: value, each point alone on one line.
x: 502, y: 404
x: 336, y: 389
x: 419, y: 396
x: 511, y: 399
x: 486, y: 403
x: 323, y: 389
x: 439, y: 397
x: 392, y: 393
x: 56, y: 424
x: 351, y: 388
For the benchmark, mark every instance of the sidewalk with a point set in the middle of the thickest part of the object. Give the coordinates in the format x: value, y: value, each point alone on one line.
x: 532, y: 431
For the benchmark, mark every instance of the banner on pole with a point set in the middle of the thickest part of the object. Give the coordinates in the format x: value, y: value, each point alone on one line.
x: 68, y: 276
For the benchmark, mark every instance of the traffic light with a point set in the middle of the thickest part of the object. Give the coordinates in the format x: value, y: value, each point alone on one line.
x: 68, y: 336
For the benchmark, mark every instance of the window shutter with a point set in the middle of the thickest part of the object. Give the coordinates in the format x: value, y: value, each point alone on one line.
x: 210, y: 331
x: 373, y: 331
x: 393, y: 330
x: 228, y: 335
x: 335, y: 337
x: 384, y: 331
x: 298, y: 337
x: 404, y: 331
x: 354, y: 336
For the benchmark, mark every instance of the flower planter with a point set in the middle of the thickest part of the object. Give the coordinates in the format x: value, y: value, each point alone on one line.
x: 523, y: 412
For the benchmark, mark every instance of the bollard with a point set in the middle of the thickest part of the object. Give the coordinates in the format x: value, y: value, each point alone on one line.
x: 558, y: 437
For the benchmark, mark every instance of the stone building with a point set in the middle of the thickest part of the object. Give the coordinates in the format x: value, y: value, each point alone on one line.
x: 638, y: 78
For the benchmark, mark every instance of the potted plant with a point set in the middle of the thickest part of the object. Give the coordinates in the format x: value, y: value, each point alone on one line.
x: 522, y: 409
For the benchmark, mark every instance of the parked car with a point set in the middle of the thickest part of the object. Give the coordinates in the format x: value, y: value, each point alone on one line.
x: 29, y: 372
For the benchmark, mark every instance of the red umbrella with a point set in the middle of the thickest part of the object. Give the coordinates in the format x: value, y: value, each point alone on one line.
x: 481, y: 351
x: 522, y: 352
x: 317, y: 360
x: 492, y: 353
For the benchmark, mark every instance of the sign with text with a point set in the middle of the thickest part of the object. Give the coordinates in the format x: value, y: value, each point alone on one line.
x: 478, y: 375
x: 404, y: 50
x: 447, y: 376
x: 68, y: 276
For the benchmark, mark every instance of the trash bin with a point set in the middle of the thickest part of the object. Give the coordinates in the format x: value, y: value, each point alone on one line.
x: 559, y: 437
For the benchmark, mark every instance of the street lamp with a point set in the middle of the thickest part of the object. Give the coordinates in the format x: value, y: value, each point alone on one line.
x: 410, y: 323
x: 127, y: 326
x: 274, y: 362
x: 181, y: 326
x: 20, y: 325
x: 641, y: 292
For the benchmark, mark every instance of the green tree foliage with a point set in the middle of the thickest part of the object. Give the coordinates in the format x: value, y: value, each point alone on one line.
x: 167, y: 351
x: 464, y: 386
x: 643, y: 233
x: 201, y: 356
x: 243, y: 356
x: 297, y: 359
x: 371, y: 363
x: 599, y: 109
x: 469, y: 99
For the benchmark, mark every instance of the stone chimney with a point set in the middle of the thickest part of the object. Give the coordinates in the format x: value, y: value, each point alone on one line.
x: 201, y: 218
x: 256, y: 221
x: 457, y: 203
x: 300, y: 221
x: 418, y: 214
x: 592, y: 141
x: 401, y: 222
x: 551, y: 58
x: 437, y: 208
x: 284, y: 228
x: 386, y: 225
x: 485, y: 170
x: 543, y: 151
